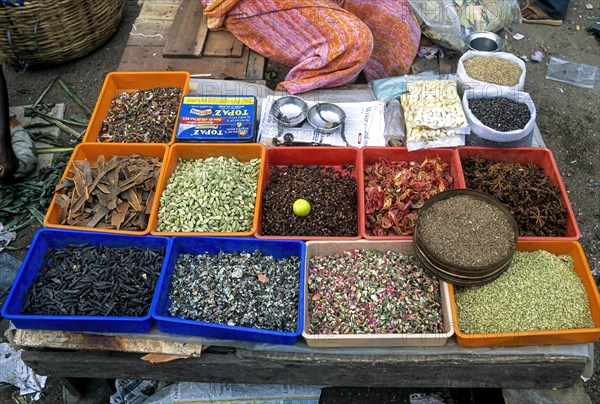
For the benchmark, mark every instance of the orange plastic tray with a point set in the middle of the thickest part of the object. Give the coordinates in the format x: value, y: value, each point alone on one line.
x: 191, y: 151
x: 370, y: 155
x: 310, y: 155
x: 544, y: 158
x: 91, y: 152
x: 117, y: 83
x: 573, y: 336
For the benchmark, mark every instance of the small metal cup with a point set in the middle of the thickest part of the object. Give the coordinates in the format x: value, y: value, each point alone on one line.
x: 484, y: 41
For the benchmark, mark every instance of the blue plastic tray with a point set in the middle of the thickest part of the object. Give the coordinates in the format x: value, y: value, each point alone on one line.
x: 212, y: 245
x: 45, y: 239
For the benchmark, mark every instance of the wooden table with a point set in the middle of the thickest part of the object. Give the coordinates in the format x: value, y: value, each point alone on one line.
x: 69, y: 354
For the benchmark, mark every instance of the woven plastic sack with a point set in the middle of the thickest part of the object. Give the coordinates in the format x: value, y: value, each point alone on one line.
x: 482, y: 135
x: 465, y: 82
x: 448, y: 22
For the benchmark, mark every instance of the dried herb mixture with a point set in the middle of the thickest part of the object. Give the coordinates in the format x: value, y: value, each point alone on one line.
x: 539, y: 291
x: 372, y: 292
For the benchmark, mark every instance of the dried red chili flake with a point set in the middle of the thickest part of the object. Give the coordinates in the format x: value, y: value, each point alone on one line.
x: 396, y: 190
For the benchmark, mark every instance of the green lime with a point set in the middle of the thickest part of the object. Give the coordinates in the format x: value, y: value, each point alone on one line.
x: 301, y: 207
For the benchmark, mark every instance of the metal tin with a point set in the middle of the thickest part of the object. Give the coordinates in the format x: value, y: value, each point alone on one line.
x: 217, y: 118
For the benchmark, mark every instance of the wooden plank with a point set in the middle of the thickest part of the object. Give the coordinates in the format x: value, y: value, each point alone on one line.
x: 158, y: 11
x: 222, y: 44
x: 148, y: 33
x: 510, y: 371
x: 256, y: 66
x: 149, y: 58
x: 188, y: 32
x: 95, y: 342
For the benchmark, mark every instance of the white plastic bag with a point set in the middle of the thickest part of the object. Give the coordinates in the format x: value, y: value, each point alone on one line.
x: 482, y: 135
x: 465, y: 82
x: 448, y: 22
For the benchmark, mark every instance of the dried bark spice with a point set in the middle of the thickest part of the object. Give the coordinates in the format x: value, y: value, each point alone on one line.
x: 117, y: 194
x: 331, y: 192
x: 396, y: 190
x: 466, y: 231
x: 85, y: 280
x: 529, y: 194
x: 237, y: 289
x: 372, y: 292
x: 539, y: 291
x: 143, y: 116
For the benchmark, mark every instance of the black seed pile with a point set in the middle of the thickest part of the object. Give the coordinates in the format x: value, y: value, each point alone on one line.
x: 95, y: 281
x: 332, y: 194
x: 500, y: 114
x: 237, y: 289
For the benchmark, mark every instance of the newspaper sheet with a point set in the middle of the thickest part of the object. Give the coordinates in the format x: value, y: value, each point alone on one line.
x: 196, y: 393
x: 364, y: 126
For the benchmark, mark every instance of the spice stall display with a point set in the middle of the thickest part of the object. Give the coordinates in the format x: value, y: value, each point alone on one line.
x: 108, y: 188
x: 372, y: 293
x: 262, y: 283
x: 209, y: 189
x: 528, y: 183
x: 396, y: 183
x: 326, y: 179
x: 86, y: 281
x: 232, y: 288
x: 138, y: 107
x: 546, y: 296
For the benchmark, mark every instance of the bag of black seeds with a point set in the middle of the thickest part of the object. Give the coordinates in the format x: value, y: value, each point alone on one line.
x: 499, y: 117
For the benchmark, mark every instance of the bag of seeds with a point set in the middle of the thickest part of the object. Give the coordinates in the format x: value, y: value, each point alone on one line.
x: 499, y: 117
x: 490, y: 69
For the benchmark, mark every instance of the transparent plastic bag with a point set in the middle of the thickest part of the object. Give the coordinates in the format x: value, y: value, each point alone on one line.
x: 394, y: 124
x: 576, y: 74
x: 388, y: 88
x: 448, y: 22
